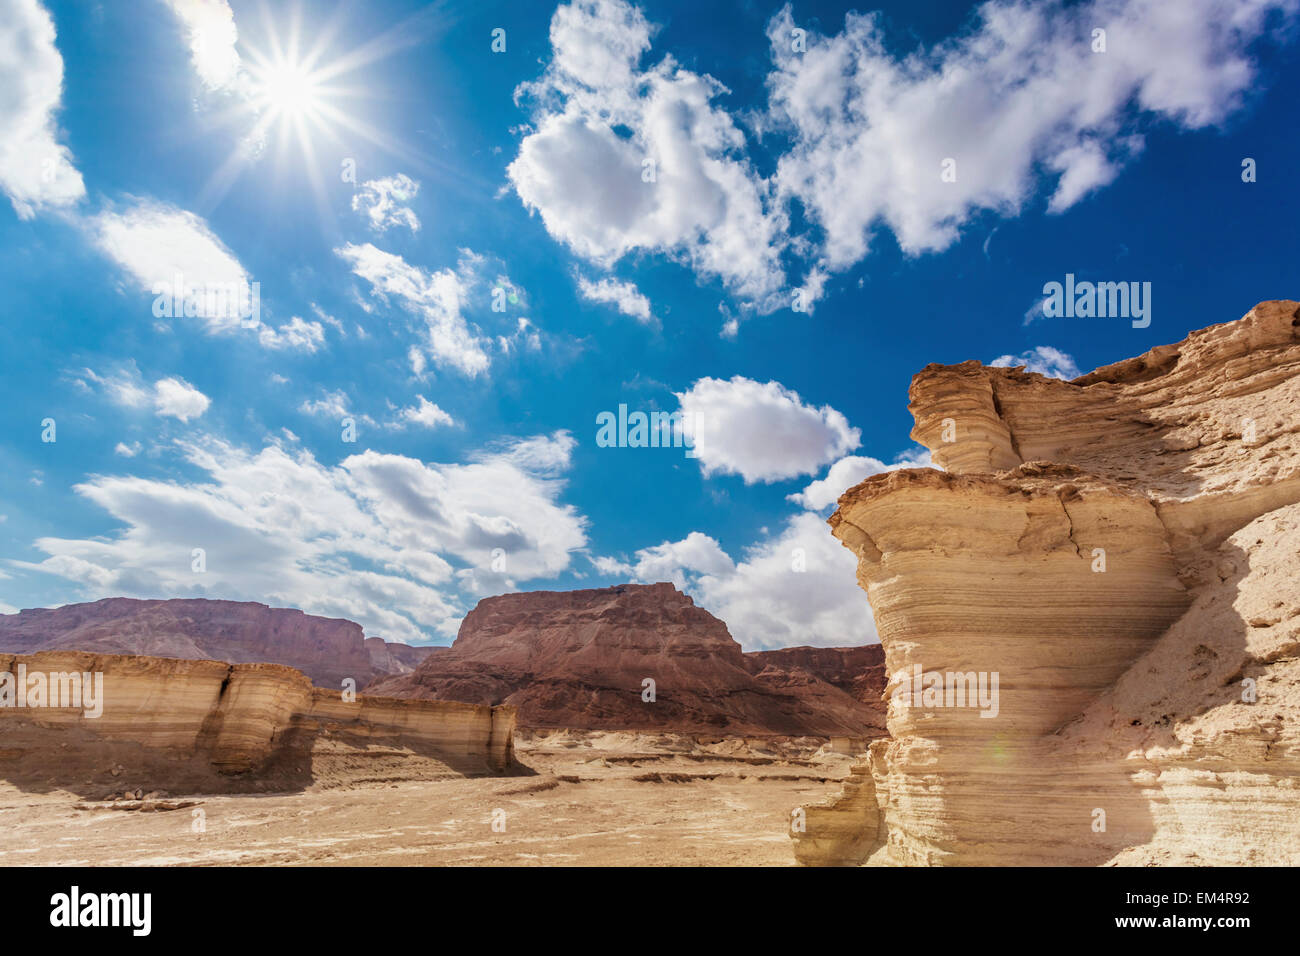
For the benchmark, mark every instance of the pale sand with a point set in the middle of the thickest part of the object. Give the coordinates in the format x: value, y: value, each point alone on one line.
x: 726, y: 803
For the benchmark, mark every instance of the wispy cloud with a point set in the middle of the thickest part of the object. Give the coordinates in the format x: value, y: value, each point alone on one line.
x: 383, y: 202
x: 170, y: 397
x: 1042, y: 359
x: 624, y: 296
x: 434, y: 297
x: 424, y: 413
x: 295, y: 335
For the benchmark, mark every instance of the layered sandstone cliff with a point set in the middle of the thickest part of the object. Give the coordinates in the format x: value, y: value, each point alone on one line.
x: 328, y: 650
x: 582, y: 659
x: 202, y: 725
x: 1120, y: 553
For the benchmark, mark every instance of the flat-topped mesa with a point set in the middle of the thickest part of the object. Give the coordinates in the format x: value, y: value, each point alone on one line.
x: 629, y: 657
x: 649, y: 618
x: 1075, y: 542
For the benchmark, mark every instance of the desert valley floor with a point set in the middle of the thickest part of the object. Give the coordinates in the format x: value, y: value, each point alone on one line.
x: 590, y: 799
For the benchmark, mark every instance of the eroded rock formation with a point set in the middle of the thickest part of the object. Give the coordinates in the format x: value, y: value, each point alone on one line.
x: 579, y: 659
x: 842, y: 831
x: 1121, y: 551
x: 202, y: 725
x: 327, y: 650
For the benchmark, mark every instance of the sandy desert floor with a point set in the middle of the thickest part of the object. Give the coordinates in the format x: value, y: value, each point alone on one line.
x: 590, y: 799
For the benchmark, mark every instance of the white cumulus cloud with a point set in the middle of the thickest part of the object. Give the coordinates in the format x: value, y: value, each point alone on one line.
x: 627, y: 153
x: 1016, y: 100
x: 623, y: 159
x: 762, y: 432
x: 177, y: 398
x: 695, y: 554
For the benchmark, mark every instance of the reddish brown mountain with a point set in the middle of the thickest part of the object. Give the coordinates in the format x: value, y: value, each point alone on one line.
x: 858, y: 671
x: 325, y: 649
x: 579, y: 659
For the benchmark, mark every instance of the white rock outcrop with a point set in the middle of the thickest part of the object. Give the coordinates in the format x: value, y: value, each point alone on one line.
x: 1121, y: 552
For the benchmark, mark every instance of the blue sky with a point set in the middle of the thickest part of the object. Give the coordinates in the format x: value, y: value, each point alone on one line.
x: 379, y: 171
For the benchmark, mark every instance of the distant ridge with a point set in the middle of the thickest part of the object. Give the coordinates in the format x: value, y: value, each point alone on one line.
x: 327, y: 650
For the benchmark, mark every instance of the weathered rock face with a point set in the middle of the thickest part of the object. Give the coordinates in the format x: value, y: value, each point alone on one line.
x: 325, y: 649
x: 1120, y: 551
x: 1205, y: 429
x: 1207, y: 724
x: 858, y: 671
x: 579, y: 659
x: 387, y: 658
x: 216, y: 727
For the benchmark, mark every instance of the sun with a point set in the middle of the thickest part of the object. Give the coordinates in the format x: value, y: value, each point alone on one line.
x: 300, y: 103
x: 288, y: 90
